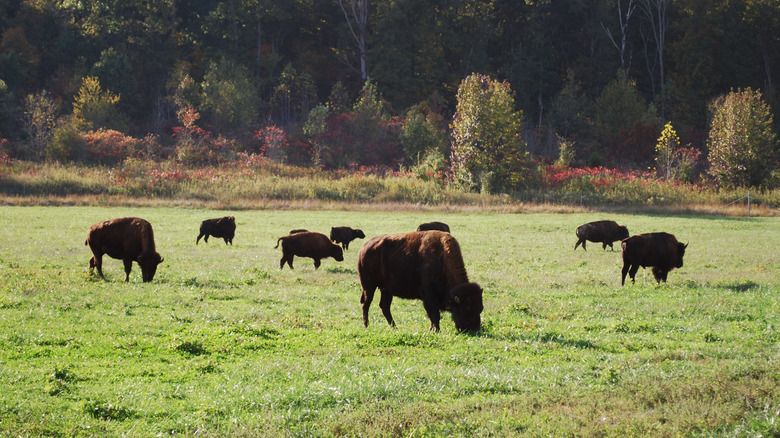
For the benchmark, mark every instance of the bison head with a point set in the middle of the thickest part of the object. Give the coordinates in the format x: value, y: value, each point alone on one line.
x: 358, y: 234
x: 337, y: 253
x: 148, y: 262
x: 466, y: 306
x: 622, y: 232
x: 680, y: 253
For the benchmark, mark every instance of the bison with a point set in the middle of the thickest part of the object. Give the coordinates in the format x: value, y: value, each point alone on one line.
x: 129, y: 239
x: 420, y: 265
x: 605, y: 232
x: 344, y: 235
x: 308, y: 244
x: 428, y: 226
x: 224, y: 227
x: 298, y: 230
x: 662, y: 251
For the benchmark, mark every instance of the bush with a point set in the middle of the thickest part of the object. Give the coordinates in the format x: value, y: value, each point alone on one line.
x: 109, y: 147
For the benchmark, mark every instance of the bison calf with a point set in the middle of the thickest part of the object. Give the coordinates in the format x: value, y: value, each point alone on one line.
x: 427, y: 266
x: 224, y: 227
x: 605, y: 232
x: 662, y: 251
x: 128, y: 239
x: 308, y: 244
x: 344, y: 235
x: 428, y: 226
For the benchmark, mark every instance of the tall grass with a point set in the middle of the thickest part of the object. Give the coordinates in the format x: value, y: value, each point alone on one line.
x: 254, y: 181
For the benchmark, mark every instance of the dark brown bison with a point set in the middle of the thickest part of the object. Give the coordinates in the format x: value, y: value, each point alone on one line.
x: 662, y: 251
x: 298, y: 230
x: 605, y: 232
x: 128, y: 239
x: 441, y: 226
x: 421, y: 265
x: 344, y: 235
x: 308, y: 244
x: 224, y: 227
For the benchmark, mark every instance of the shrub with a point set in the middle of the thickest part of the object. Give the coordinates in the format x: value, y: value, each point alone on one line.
x: 66, y: 142
x: 109, y: 147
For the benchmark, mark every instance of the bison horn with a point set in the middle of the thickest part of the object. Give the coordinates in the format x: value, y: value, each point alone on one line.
x: 686, y: 245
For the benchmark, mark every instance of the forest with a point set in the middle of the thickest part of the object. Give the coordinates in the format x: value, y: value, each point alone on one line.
x: 340, y: 83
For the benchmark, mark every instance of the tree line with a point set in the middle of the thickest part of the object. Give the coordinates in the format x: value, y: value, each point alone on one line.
x: 377, y: 82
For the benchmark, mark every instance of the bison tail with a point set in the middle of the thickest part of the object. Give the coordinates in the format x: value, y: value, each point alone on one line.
x: 277, y: 242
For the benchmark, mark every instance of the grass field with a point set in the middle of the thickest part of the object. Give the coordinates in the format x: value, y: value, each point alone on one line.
x: 223, y: 343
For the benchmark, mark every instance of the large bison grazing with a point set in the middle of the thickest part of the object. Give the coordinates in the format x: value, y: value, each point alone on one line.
x: 308, y: 244
x: 344, y: 235
x: 428, y: 226
x: 128, y: 239
x: 605, y: 232
x: 224, y: 227
x: 420, y: 265
x: 662, y: 251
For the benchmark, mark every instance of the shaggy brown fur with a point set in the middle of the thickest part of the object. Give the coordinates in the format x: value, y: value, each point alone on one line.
x: 605, y: 232
x: 662, y: 251
x: 344, y: 235
x: 424, y: 265
x: 308, y: 244
x: 224, y: 227
x: 128, y: 239
x: 428, y: 226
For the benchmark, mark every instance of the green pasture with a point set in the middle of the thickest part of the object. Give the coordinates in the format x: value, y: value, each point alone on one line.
x: 223, y: 343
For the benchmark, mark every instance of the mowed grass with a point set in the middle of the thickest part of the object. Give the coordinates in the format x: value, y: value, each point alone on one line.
x: 223, y: 343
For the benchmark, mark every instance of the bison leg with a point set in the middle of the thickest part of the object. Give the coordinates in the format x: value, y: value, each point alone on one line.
x: 625, y: 271
x: 316, y: 263
x: 604, y: 245
x: 128, y: 266
x: 659, y: 274
x: 581, y: 241
x: 198, y: 239
x: 97, y: 262
x: 286, y: 259
x: 384, y: 304
x: 632, y: 272
x: 365, y: 302
x: 434, y: 315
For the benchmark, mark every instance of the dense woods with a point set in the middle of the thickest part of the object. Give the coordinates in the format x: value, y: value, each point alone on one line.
x: 337, y: 83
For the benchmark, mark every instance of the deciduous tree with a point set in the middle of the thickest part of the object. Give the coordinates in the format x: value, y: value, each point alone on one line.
x: 743, y: 147
x: 487, y: 151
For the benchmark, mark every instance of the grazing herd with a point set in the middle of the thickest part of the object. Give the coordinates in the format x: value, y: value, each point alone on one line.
x: 426, y: 265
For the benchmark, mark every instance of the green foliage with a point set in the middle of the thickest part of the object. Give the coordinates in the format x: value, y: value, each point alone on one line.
x: 338, y: 100
x: 419, y: 135
x: 566, y: 152
x: 370, y: 103
x: 487, y: 151
x: 66, y: 142
x: 666, y: 151
x: 570, y: 108
x: 743, y: 146
x: 94, y: 108
x: 293, y: 97
x: 228, y: 98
